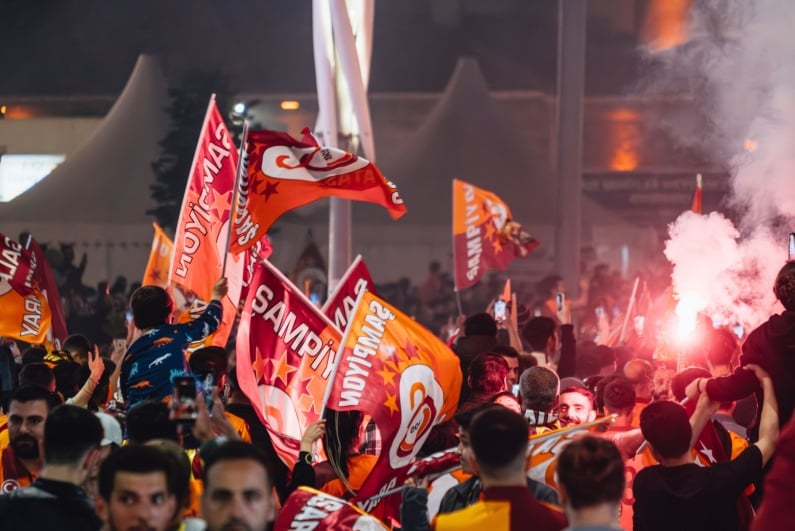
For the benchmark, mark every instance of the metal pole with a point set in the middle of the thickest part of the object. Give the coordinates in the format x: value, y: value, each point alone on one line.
x: 571, y: 85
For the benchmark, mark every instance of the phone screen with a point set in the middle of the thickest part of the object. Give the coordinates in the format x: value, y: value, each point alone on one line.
x: 206, y: 383
x: 499, y: 309
x: 183, y: 403
x: 559, y: 298
x: 791, y: 247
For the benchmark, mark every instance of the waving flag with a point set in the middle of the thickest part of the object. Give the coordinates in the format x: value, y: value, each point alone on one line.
x: 340, y: 303
x: 24, y: 310
x: 58, y: 332
x: 485, y: 236
x: 405, y: 379
x: 307, y: 508
x: 284, y: 173
x: 286, y: 349
x: 159, y: 263
x: 201, y: 236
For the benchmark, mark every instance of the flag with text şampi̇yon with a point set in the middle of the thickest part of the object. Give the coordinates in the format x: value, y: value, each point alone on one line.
x: 307, y: 508
x: 485, y: 235
x: 339, y: 305
x: 58, y: 332
x: 24, y: 310
x: 201, y: 235
x: 159, y: 263
x: 282, y: 173
x: 406, y: 379
x: 286, y: 350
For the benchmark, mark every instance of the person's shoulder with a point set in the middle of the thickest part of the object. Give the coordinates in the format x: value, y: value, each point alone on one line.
x: 481, y: 515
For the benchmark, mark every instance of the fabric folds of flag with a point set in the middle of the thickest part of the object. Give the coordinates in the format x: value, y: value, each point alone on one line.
x: 339, y: 305
x: 24, y: 310
x: 485, y: 235
x: 405, y: 379
x: 201, y: 235
x: 286, y: 349
x: 283, y: 173
x: 159, y: 263
x: 58, y: 332
x: 307, y: 508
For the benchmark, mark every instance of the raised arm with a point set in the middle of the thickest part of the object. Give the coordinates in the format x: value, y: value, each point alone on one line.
x: 768, y: 421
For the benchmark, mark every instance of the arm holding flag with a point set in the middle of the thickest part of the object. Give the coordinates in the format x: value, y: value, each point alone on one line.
x: 210, y: 319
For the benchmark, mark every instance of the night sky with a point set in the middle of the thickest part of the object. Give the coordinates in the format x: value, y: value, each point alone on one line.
x: 89, y: 46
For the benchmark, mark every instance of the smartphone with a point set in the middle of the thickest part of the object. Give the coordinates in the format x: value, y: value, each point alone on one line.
x: 600, y: 312
x: 515, y: 390
x: 560, y: 300
x: 206, y: 383
x: 791, y: 247
x: 183, y: 402
x: 119, y: 344
x: 500, y: 308
x: 128, y: 315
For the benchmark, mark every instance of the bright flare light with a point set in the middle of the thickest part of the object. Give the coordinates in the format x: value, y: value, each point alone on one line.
x: 687, y: 312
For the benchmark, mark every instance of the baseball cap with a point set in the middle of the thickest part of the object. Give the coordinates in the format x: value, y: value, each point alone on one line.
x: 111, y: 429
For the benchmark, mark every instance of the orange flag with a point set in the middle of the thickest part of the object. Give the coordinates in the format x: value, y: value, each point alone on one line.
x: 696, y: 205
x: 485, y: 236
x: 24, y: 310
x: 405, y: 378
x: 201, y: 235
x: 283, y: 173
x: 159, y: 264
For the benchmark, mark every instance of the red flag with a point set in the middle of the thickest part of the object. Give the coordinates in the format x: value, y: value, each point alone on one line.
x: 159, y: 263
x: 284, y: 173
x: 285, y: 357
x: 58, y: 331
x: 340, y: 303
x: 485, y: 236
x: 405, y: 378
x: 201, y: 236
x: 696, y: 205
x: 308, y: 508
x: 24, y: 311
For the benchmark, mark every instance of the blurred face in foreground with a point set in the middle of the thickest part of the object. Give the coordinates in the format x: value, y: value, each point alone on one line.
x: 237, y: 496
x: 468, y: 464
x: 575, y: 408
x: 139, y: 502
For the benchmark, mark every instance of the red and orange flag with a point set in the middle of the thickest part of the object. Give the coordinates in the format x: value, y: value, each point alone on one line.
x: 284, y: 173
x: 159, y: 263
x: 485, y: 236
x: 405, y: 378
x: 339, y: 305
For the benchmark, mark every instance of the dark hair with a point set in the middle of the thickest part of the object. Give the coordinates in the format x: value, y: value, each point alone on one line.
x: 538, y: 387
x: 77, y: 344
x: 487, y: 373
x: 149, y: 420
x: 498, y: 437
x: 537, y: 332
x: 136, y: 459
x: 29, y: 393
x: 721, y: 347
x: 592, y: 472
x: 682, y: 379
x: 464, y: 418
x: 545, y: 286
x: 100, y: 394
x: 66, y: 378
x: 580, y: 390
x: 665, y: 425
x: 342, y: 430
x: 620, y: 396
x: 69, y: 433
x: 480, y: 324
x: 37, y: 373
x: 604, y: 355
x: 505, y: 351
x: 151, y: 307
x: 506, y: 394
x: 784, y: 286
x: 33, y: 355
x: 207, y: 360
x: 235, y: 451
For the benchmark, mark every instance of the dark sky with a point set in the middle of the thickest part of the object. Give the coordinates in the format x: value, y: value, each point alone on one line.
x: 90, y: 46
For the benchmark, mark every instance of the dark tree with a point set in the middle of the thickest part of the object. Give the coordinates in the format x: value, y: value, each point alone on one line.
x: 186, y: 112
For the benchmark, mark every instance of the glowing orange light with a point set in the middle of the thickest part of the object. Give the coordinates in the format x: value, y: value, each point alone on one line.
x: 2, y: 109
x: 622, y: 132
x: 665, y: 23
x: 687, y: 312
x: 290, y: 105
x: 750, y: 145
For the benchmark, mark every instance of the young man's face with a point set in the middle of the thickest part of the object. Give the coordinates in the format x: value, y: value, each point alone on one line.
x: 513, y: 371
x: 237, y: 495
x: 575, y: 408
x: 468, y: 463
x: 26, y: 428
x: 139, y: 501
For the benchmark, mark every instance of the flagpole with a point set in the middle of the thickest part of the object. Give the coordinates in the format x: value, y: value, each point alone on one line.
x: 630, y: 304
x: 337, y: 361
x: 242, y: 157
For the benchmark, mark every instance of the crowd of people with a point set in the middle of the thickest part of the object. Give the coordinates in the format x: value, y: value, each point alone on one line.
x: 97, y: 435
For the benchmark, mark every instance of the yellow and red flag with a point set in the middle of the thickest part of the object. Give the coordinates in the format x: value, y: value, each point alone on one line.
x: 24, y: 311
x: 201, y: 235
x: 283, y: 173
x: 339, y: 305
x: 405, y: 378
x: 485, y: 236
x: 159, y: 263
x: 307, y: 508
x: 286, y: 350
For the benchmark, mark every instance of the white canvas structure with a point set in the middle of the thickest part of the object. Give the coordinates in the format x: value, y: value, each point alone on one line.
x: 98, y: 197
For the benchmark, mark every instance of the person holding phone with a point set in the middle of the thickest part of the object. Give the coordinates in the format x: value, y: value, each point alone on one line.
x: 158, y: 353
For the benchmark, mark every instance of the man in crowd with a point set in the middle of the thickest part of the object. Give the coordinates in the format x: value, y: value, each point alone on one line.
x: 78, y: 347
x: 55, y: 499
x: 619, y: 400
x: 137, y: 489
x: 576, y: 406
x: 237, y: 489
x: 22, y: 461
x: 538, y: 389
x: 591, y: 481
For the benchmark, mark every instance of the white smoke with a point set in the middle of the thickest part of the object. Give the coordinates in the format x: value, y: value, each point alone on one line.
x: 738, y: 65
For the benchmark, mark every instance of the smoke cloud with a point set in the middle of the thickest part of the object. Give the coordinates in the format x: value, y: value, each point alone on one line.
x: 737, y: 66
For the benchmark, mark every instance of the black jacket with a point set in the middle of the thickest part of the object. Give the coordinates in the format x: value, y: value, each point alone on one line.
x: 48, y: 504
